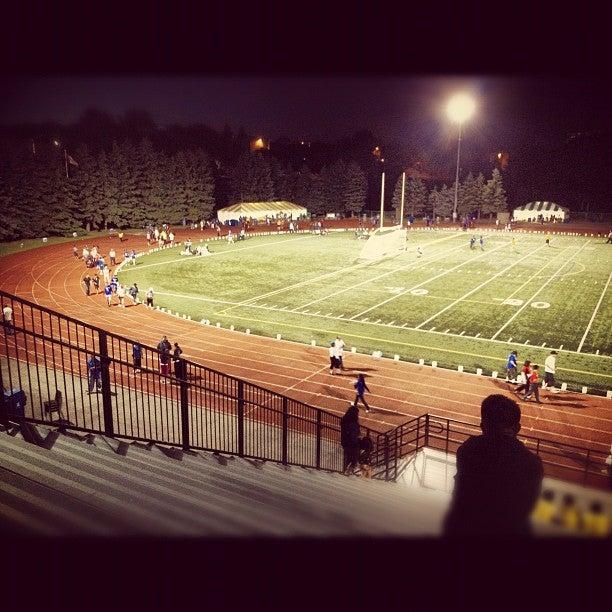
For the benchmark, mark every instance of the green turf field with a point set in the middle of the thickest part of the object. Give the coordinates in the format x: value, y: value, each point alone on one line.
x: 452, y: 304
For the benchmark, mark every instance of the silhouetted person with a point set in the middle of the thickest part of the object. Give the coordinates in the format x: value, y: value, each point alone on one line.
x: 498, y: 480
x: 349, y: 438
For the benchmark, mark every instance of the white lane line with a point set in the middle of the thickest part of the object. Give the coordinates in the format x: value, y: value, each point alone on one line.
x: 601, y: 297
x: 429, y: 280
x: 479, y: 287
x: 414, y: 264
x: 527, y: 302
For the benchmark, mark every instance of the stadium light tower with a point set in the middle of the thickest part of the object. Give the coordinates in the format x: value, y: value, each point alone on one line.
x: 459, y: 109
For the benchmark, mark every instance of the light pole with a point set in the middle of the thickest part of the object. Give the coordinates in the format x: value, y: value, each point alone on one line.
x: 459, y: 108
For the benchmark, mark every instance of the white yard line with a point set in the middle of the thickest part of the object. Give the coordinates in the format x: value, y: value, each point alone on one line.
x: 466, y: 295
x: 413, y: 265
x: 601, y: 297
x: 536, y: 274
x: 370, y: 280
x: 527, y: 302
x: 228, y: 252
x: 429, y: 280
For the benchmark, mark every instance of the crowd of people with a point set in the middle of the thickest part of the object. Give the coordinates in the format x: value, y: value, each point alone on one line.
x: 528, y: 379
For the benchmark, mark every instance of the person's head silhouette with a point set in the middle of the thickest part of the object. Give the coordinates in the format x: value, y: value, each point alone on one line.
x: 500, y: 416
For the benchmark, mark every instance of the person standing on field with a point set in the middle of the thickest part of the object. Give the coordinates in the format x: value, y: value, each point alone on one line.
x: 524, y: 376
x: 121, y: 295
x: 550, y: 365
x: 87, y: 283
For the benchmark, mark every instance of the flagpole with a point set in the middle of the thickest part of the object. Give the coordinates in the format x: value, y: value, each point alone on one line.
x: 402, y: 207
x: 66, y: 162
x: 382, y: 199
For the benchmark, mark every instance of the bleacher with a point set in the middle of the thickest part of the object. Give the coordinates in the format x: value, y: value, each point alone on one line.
x: 93, y: 485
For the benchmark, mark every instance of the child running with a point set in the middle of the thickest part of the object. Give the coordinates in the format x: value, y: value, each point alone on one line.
x: 360, y: 387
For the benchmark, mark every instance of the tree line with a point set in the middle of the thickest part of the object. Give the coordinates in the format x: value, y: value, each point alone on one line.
x: 134, y: 183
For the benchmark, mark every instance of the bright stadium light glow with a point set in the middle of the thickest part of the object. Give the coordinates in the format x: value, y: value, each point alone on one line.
x: 460, y: 108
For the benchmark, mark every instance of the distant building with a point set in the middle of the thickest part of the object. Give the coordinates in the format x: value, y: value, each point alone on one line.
x: 535, y: 211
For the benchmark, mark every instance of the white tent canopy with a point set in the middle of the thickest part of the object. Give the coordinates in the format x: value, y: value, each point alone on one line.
x: 532, y: 211
x: 261, y: 210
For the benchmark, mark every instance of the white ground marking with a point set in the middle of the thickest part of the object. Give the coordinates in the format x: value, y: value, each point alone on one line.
x: 429, y: 280
x: 318, y: 278
x: 518, y: 312
x: 232, y: 252
x: 601, y: 297
x: 466, y: 295
x: 415, y: 264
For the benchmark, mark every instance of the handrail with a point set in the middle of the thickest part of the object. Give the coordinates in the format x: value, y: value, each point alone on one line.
x: 202, y: 408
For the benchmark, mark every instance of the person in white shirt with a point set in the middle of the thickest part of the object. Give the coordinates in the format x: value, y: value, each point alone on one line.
x: 339, y: 345
x: 333, y: 359
x: 171, y: 238
x: 7, y: 313
x: 121, y: 295
x: 550, y: 365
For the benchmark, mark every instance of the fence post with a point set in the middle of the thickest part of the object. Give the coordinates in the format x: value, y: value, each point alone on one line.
x: 240, y: 418
x: 107, y: 405
x: 426, y: 429
x: 318, y: 439
x: 386, y: 456
x: 586, y: 467
x: 184, y: 405
x: 285, y: 419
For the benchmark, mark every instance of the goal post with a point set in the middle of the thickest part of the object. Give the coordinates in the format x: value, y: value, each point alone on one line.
x: 384, y: 242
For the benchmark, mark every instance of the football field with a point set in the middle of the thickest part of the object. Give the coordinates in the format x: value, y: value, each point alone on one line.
x: 451, y: 304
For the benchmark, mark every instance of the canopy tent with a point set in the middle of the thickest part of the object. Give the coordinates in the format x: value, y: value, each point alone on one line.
x: 533, y: 210
x: 261, y: 210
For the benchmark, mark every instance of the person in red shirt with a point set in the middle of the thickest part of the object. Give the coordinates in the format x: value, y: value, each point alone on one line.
x: 526, y: 372
x: 534, y: 385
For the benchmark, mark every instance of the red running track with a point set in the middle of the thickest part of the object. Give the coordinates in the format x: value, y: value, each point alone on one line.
x: 50, y: 276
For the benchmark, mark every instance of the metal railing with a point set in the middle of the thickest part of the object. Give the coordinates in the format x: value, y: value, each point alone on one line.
x: 567, y: 462
x: 195, y: 407
x: 191, y: 406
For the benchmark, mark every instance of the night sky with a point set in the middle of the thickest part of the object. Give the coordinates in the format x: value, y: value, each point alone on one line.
x: 511, y: 111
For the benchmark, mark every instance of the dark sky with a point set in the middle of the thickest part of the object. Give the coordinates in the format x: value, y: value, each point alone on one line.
x: 509, y: 109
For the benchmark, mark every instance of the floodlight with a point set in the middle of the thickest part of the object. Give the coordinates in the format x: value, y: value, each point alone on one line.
x: 460, y: 107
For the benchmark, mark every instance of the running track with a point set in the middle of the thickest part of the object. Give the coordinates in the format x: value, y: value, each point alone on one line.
x: 50, y: 276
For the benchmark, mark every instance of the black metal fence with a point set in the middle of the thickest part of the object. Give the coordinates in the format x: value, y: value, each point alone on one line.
x: 567, y: 462
x: 47, y: 375
x: 188, y: 405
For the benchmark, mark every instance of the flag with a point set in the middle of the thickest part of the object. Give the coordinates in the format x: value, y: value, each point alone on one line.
x: 71, y: 160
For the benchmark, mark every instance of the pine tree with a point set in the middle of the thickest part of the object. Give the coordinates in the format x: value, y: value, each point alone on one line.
x: 468, y: 196
x: 355, y: 188
x: 316, y: 203
x: 495, y: 195
x: 200, y: 186
x: 333, y: 179
x: 445, y: 203
x: 251, y: 179
x: 302, y: 187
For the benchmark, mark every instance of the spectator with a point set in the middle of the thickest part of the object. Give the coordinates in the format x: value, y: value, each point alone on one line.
x: 349, y: 438
x: 96, y: 282
x: 511, y: 367
x: 94, y: 374
x: 333, y: 360
x: 133, y: 291
x: 534, y: 385
x: 137, y: 356
x: 595, y: 521
x: 523, y: 378
x: 178, y: 362
x: 121, y: 295
x: 550, y: 365
x: 87, y: 283
x: 569, y: 515
x: 164, y: 361
x: 498, y: 480
x: 75, y: 251
x: 164, y: 344
x: 113, y: 257
x: 7, y: 313
x: 149, y: 296
x: 545, y: 509
x: 360, y: 389
x: 366, y: 446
